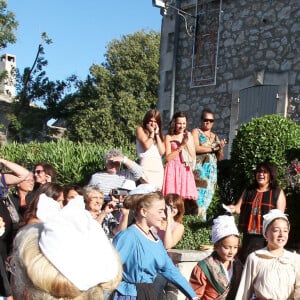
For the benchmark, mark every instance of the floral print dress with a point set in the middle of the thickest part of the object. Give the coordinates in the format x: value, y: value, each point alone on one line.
x: 206, y: 172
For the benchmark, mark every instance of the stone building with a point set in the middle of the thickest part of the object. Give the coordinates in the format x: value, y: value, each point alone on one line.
x: 239, y: 58
x: 7, y: 91
x: 7, y: 96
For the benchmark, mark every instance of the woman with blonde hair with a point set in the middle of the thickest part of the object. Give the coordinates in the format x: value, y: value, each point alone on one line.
x: 67, y: 257
x: 142, y: 252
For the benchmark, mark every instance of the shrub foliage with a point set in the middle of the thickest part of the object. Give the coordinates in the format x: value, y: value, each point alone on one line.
x: 74, y: 162
x: 196, y: 233
x: 269, y: 137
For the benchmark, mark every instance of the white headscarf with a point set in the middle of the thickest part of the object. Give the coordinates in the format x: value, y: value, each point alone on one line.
x: 47, y: 207
x: 270, y: 217
x: 77, y: 246
x: 223, y: 226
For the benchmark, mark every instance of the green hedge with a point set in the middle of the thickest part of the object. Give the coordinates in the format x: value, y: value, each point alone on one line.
x: 74, y: 162
x: 196, y: 233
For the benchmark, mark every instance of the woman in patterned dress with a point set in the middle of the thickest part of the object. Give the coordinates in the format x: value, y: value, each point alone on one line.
x: 209, y: 149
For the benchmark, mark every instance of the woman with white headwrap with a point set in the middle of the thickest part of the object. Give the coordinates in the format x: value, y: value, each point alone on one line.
x: 66, y: 257
x: 272, y: 272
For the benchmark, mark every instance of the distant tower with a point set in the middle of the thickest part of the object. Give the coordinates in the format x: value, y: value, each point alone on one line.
x: 7, y: 86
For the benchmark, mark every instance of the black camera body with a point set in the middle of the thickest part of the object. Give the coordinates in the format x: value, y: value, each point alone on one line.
x: 119, y: 205
x: 119, y: 192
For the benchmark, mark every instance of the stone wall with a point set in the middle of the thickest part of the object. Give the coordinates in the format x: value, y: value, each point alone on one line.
x: 5, y: 109
x: 185, y: 260
x: 259, y: 44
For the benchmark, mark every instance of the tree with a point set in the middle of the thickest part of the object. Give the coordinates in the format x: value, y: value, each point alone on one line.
x: 37, y: 99
x: 8, y: 25
x: 116, y: 94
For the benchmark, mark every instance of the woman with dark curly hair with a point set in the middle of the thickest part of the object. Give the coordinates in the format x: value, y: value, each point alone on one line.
x: 66, y: 257
x: 257, y: 200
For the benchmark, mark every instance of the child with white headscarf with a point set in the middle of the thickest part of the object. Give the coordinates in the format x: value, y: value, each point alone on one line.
x: 272, y: 272
x: 217, y: 276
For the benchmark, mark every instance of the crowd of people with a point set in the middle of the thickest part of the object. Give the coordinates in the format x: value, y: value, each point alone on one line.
x: 109, y: 239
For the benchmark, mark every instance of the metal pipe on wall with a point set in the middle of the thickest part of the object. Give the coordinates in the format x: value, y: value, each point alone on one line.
x: 174, y: 63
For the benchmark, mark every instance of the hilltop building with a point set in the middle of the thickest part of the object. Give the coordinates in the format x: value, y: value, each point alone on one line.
x: 7, y: 91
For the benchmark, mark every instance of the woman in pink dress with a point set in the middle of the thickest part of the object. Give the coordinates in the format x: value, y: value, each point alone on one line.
x: 180, y: 154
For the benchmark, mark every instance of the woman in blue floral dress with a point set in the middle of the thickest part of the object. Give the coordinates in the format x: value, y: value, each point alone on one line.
x: 209, y: 149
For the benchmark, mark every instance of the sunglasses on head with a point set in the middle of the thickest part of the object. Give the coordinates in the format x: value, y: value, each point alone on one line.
x: 208, y: 120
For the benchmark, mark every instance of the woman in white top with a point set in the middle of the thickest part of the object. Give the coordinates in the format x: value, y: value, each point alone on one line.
x: 272, y: 272
x: 150, y: 147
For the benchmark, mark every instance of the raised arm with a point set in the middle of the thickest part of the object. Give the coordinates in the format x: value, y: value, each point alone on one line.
x: 172, y: 235
x: 281, y: 202
x: 135, y: 169
x: 147, y: 139
x: 199, y: 148
x: 18, y: 174
x: 236, y: 208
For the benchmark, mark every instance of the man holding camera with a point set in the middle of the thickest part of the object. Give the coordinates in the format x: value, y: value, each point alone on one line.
x: 113, y: 177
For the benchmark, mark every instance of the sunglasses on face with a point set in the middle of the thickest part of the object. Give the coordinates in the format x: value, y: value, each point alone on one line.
x: 208, y: 120
x: 38, y: 172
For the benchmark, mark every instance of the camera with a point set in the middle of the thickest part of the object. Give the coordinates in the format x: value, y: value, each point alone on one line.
x: 119, y: 192
x: 119, y: 205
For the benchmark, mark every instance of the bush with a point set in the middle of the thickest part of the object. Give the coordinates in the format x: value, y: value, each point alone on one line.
x: 74, y: 162
x: 196, y: 233
x: 269, y: 137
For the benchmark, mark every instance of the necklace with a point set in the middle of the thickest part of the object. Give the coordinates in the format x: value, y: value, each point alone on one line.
x: 138, y: 226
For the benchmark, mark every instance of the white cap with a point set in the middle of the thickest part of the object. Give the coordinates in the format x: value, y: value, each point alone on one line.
x: 270, y: 217
x: 223, y: 226
x: 128, y: 185
x: 144, y: 188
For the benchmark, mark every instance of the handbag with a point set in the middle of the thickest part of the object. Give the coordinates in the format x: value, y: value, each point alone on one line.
x: 187, y: 159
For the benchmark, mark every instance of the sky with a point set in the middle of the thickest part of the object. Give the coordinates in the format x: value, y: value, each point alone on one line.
x: 80, y: 31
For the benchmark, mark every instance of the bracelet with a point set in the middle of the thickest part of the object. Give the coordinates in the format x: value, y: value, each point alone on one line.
x: 125, y: 158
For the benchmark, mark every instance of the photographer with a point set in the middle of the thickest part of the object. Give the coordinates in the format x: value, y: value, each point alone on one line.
x: 113, y: 177
x: 103, y: 211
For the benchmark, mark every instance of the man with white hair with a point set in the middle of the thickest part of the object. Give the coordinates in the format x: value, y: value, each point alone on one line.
x: 113, y: 177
